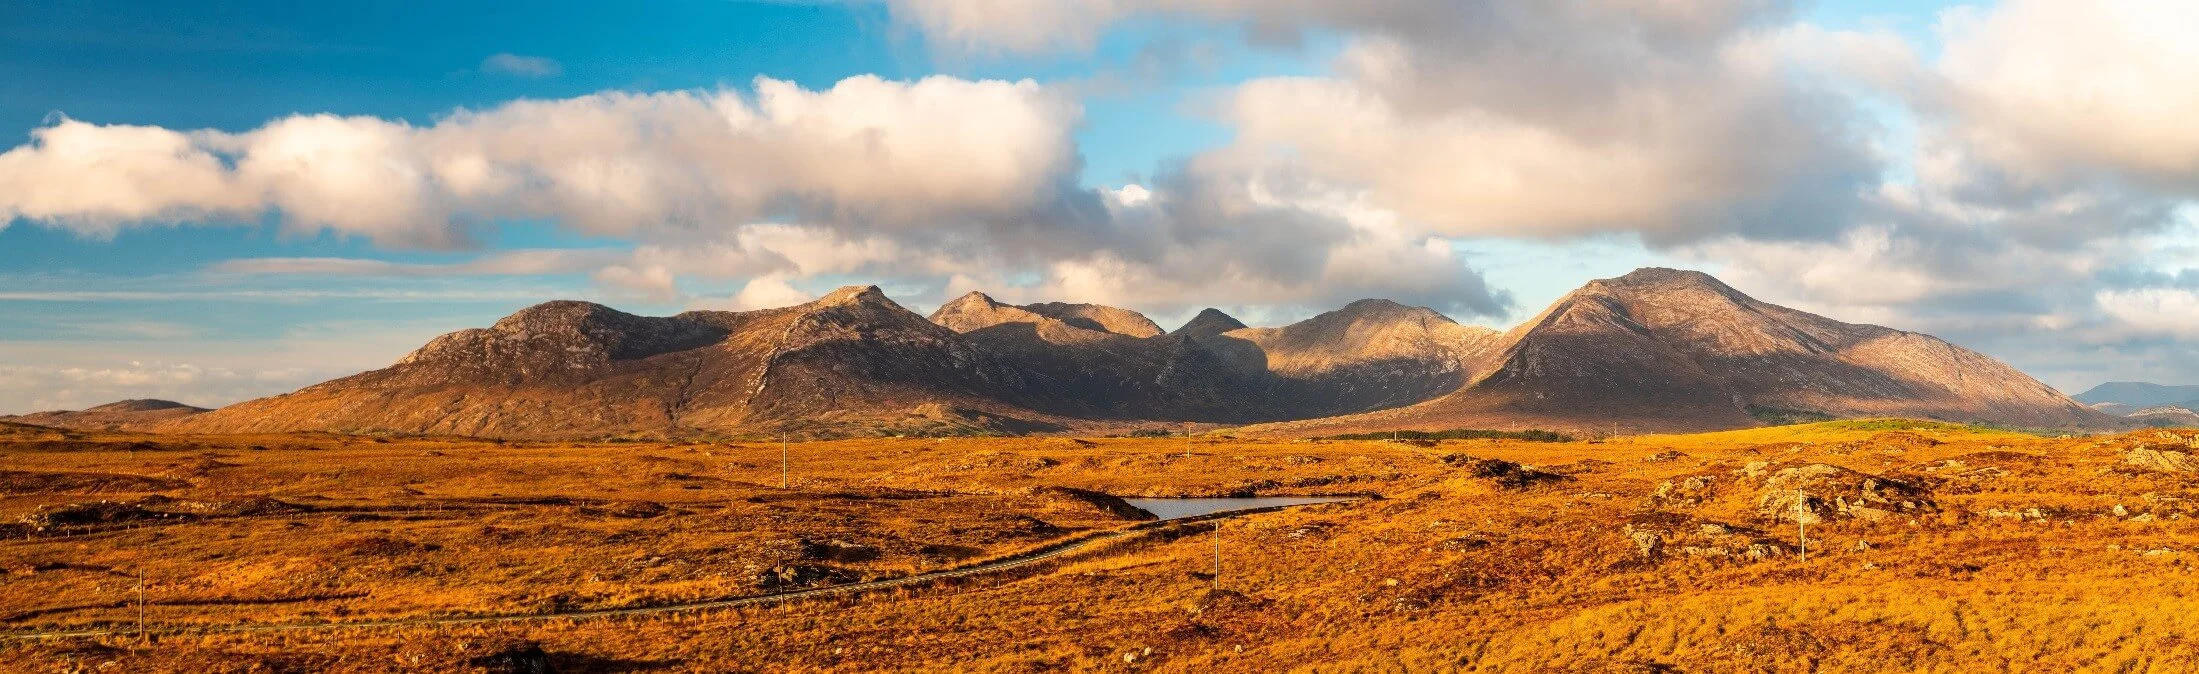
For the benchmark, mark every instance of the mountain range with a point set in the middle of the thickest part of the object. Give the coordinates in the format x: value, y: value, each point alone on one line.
x: 2145, y: 403
x: 1654, y: 350
x: 120, y: 415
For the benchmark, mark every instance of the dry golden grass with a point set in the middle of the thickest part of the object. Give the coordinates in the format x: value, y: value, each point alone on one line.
x: 1655, y: 553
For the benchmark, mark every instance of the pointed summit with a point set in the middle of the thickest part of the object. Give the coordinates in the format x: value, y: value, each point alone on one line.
x: 852, y: 295
x: 977, y: 311
x: 1210, y: 321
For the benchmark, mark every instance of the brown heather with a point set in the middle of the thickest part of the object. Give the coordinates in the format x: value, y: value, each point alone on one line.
x: 1931, y: 547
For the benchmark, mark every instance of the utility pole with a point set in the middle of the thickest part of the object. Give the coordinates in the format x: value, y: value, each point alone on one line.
x: 1801, y: 530
x: 782, y: 459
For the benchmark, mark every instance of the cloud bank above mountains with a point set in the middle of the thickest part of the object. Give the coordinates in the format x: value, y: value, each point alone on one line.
x: 2023, y: 185
x: 940, y: 178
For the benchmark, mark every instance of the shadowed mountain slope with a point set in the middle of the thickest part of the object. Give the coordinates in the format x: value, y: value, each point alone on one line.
x: 1209, y: 322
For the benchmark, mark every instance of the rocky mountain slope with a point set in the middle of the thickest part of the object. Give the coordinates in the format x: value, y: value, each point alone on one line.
x: 1368, y: 355
x: 1653, y: 350
x: 1670, y: 350
x: 575, y: 368
x: 126, y: 415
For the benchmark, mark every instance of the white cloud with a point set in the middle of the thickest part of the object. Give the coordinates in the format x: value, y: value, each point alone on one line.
x: 502, y: 263
x: 767, y: 292
x: 2172, y: 312
x: 1678, y: 121
x: 865, y: 153
x: 2051, y: 88
x: 506, y: 63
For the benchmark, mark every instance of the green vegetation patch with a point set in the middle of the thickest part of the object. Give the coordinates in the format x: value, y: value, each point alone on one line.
x: 1778, y: 416
x: 1532, y: 435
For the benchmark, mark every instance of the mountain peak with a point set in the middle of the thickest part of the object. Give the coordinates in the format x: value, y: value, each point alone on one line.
x: 974, y: 298
x: 1668, y: 279
x: 976, y: 311
x: 556, y: 312
x: 1210, y: 321
x: 1374, y: 309
x: 851, y: 295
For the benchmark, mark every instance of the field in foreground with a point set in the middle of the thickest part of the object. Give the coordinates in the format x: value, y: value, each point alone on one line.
x: 1929, y: 548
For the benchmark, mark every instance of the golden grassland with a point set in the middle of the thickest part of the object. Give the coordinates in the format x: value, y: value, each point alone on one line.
x: 1930, y: 548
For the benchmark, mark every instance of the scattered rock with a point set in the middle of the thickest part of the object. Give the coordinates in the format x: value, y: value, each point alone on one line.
x: 1646, y: 542
x: 1684, y: 492
x: 1505, y: 474
x: 1828, y: 491
x: 2161, y: 460
x: 514, y: 657
x: 799, y: 575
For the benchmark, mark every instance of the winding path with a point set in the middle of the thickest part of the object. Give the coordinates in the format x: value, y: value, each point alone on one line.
x: 1009, y: 563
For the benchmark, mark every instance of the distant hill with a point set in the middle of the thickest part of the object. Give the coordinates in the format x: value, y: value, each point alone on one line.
x: 2138, y: 394
x: 2177, y: 416
x: 122, y: 415
x: 1657, y: 349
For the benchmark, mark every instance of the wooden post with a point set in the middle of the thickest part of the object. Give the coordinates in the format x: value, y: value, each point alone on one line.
x: 1801, y: 530
x: 141, y: 605
x: 782, y: 460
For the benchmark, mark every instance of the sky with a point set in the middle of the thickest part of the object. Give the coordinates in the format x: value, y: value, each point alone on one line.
x: 210, y: 202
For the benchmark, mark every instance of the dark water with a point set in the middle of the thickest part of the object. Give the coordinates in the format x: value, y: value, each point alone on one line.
x: 1177, y: 508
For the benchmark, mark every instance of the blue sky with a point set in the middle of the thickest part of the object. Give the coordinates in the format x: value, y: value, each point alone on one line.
x: 1217, y: 111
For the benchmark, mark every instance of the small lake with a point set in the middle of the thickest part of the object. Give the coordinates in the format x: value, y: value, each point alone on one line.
x: 1179, y: 508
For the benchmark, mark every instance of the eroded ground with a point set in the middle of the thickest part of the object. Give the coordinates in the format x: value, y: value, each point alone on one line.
x: 1930, y: 548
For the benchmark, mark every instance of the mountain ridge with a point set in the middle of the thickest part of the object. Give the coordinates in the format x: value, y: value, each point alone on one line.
x: 1656, y: 349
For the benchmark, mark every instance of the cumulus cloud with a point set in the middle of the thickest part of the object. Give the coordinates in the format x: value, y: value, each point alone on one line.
x: 1677, y: 121
x: 2027, y: 211
x: 1216, y: 232
x: 507, y: 63
x: 2051, y: 179
x: 2054, y: 89
x: 866, y: 151
x: 502, y: 263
